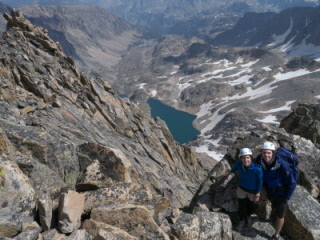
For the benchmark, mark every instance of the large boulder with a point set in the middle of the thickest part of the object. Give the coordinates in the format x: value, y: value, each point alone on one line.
x: 304, y: 121
x: 99, y: 230
x: 302, y: 219
x: 71, y: 205
x: 129, y: 193
x: 136, y: 220
x: 17, y: 198
x: 202, y: 225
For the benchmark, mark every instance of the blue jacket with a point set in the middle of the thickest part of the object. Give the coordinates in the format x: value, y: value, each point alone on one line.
x: 278, y: 180
x: 250, y: 179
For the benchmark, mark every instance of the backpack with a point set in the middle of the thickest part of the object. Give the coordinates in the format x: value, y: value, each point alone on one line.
x: 291, y: 158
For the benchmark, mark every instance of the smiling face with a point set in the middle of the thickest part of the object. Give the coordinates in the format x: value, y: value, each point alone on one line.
x: 267, y: 155
x: 246, y: 160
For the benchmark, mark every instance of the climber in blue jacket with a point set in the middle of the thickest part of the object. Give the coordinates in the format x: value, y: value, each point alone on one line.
x: 279, y: 182
x: 249, y: 186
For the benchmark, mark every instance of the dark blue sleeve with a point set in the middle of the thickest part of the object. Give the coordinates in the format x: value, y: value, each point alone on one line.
x: 235, y: 167
x: 259, y: 179
x: 289, y: 181
x: 291, y: 187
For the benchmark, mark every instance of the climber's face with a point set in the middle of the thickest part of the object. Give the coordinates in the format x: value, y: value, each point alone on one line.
x: 267, y: 155
x: 246, y: 160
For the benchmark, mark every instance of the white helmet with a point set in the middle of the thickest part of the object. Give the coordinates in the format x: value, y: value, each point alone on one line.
x: 268, y: 146
x: 245, y: 151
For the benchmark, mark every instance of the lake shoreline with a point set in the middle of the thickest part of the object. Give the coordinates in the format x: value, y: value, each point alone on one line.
x: 180, y: 123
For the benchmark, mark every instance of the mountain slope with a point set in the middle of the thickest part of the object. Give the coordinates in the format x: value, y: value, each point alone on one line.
x: 44, y: 91
x: 95, y: 38
x: 289, y: 31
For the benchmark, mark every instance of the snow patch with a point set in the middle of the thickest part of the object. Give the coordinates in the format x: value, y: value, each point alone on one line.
x: 286, y: 107
x: 153, y: 93
x: 141, y: 85
x: 267, y: 69
x: 278, y: 39
x: 239, y: 60
x: 211, y: 153
x: 249, y: 64
x: 269, y: 119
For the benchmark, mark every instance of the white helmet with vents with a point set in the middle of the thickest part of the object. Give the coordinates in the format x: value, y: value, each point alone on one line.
x: 268, y: 146
x: 245, y: 151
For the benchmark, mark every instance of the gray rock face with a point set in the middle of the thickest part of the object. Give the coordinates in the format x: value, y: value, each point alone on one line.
x: 61, y: 130
x: 202, y: 225
x: 99, y: 230
x: 136, y: 220
x: 30, y: 231
x: 187, y: 227
x: 303, y: 215
x: 17, y: 198
x: 121, y: 193
x: 78, y: 235
x: 304, y: 121
x: 71, y: 206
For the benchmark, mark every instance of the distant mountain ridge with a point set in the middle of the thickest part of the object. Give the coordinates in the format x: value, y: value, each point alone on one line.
x: 289, y: 28
x: 185, y: 17
x: 91, y: 35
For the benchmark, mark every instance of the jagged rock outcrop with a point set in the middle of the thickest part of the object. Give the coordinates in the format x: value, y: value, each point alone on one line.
x: 304, y: 121
x: 3, y: 8
x: 63, y: 131
x: 301, y: 222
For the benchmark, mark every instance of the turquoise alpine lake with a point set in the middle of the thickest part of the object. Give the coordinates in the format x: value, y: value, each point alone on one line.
x: 178, y: 122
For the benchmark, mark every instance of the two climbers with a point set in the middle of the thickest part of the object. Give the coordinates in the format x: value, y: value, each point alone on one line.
x: 278, y: 177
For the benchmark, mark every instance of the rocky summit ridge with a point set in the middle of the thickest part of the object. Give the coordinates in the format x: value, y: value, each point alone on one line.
x: 77, y: 162
x: 62, y: 130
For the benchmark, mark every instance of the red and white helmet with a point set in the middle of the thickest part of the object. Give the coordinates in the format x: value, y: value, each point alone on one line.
x: 245, y: 151
x: 268, y: 146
